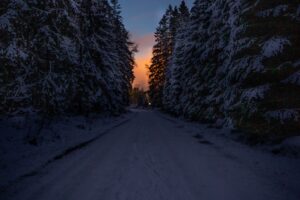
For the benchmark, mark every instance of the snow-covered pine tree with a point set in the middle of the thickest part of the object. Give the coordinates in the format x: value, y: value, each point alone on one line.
x: 125, y: 49
x: 62, y: 56
x: 161, y: 55
x: 197, y: 35
x: 172, y: 87
x: 237, y: 63
x: 184, y: 13
x: 264, y: 66
x: 97, y: 59
x: 212, y: 58
x: 54, y: 37
x: 108, y: 53
x: 15, y: 57
x: 172, y: 29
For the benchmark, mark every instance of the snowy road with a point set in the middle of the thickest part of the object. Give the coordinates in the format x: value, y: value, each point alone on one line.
x: 154, y: 158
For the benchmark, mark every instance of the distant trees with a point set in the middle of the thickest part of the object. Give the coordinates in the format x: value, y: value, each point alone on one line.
x: 138, y: 97
x: 234, y: 63
x: 163, y: 49
x: 64, y: 56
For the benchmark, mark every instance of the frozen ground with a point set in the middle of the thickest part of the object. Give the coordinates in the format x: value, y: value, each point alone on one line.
x: 18, y: 158
x: 153, y: 156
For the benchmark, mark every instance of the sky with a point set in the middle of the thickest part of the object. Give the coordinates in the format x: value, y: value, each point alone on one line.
x: 141, y: 18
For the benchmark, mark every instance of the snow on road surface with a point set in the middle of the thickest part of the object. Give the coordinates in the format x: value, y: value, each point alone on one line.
x: 154, y: 157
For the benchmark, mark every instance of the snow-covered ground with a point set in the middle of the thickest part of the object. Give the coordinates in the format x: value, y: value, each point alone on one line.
x: 18, y: 158
x: 153, y: 156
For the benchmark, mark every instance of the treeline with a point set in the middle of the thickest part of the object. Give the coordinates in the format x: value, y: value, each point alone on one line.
x: 232, y: 63
x: 139, y: 98
x: 64, y: 56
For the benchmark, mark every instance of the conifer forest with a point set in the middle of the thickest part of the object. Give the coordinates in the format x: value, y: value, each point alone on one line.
x: 149, y: 99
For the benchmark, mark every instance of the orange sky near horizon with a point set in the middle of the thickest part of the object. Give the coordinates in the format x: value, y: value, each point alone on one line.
x: 143, y: 58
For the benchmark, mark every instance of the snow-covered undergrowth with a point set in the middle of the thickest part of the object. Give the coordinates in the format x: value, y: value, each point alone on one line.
x: 28, y: 143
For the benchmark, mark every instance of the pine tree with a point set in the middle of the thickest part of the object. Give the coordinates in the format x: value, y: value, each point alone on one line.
x: 57, y: 55
x: 172, y: 87
x: 125, y: 49
x: 15, y: 58
x: 193, y: 56
x: 237, y: 63
x: 64, y: 56
x: 184, y: 12
x: 161, y: 53
x: 263, y: 65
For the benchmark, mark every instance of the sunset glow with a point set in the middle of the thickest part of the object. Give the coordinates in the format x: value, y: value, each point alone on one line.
x: 141, y: 19
x: 143, y: 58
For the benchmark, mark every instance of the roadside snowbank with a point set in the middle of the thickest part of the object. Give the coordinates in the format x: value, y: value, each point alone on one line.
x: 19, y: 158
x: 277, y: 163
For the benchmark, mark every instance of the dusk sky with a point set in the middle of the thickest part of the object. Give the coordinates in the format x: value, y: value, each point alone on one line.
x: 141, y: 18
